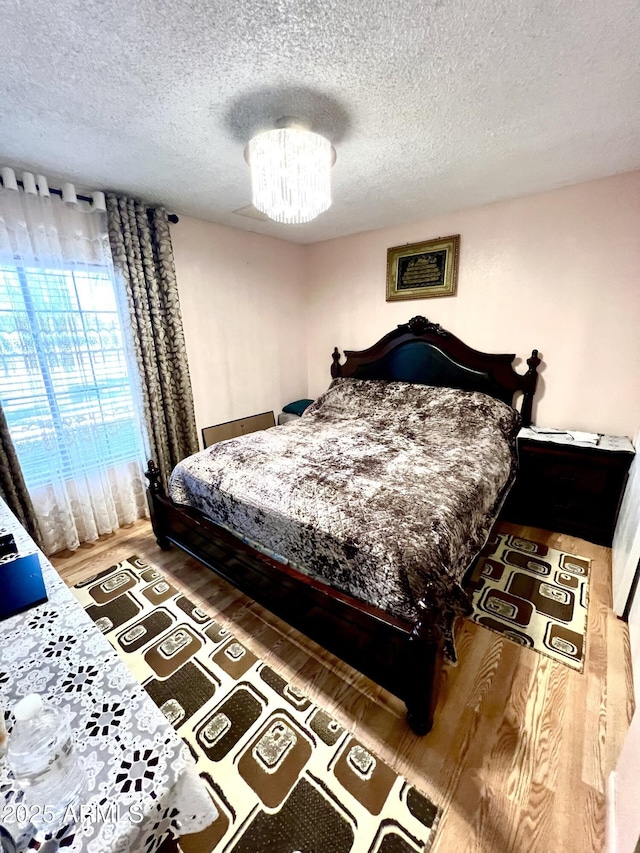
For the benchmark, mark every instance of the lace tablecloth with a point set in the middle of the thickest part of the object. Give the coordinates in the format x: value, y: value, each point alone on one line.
x: 142, y: 783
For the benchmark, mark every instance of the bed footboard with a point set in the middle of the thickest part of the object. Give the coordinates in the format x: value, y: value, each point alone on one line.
x: 401, y: 657
x: 155, y: 490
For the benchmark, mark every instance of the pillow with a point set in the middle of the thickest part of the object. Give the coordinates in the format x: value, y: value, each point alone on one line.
x: 297, y: 407
x: 422, y: 407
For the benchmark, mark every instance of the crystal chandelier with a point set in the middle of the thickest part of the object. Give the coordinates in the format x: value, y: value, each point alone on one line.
x: 290, y: 172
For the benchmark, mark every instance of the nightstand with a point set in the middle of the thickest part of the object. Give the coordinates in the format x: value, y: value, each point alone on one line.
x: 569, y: 487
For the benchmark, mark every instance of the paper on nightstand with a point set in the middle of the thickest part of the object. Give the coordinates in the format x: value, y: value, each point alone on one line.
x: 547, y: 430
x: 585, y: 437
x: 566, y: 436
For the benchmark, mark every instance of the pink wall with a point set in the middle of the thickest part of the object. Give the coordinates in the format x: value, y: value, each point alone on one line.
x: 558, y: 271
x: 241, y: 302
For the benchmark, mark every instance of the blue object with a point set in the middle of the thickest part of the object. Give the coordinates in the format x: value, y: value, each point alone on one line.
x: 297, y: 407
x: 21, y: 584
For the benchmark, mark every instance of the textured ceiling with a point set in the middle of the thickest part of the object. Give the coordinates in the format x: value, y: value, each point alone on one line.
x: 432, y: 106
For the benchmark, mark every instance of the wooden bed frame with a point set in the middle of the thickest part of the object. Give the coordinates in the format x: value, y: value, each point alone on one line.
x: 400, y: 656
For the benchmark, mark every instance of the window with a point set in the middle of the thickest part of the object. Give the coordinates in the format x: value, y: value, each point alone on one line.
x: 65, y: 383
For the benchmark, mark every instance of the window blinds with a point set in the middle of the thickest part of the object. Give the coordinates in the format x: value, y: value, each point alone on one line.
x: 64, y: 378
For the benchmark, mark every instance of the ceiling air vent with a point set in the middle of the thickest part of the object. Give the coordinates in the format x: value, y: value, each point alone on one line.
x: 251, y: 213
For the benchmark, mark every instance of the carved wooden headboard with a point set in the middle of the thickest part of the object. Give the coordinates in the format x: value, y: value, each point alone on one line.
x: 423, y: 352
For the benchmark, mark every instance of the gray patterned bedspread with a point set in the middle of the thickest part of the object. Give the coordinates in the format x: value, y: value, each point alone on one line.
x: 381, y: 489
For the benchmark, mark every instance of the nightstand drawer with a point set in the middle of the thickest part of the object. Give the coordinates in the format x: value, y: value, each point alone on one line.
x: 568, y: 489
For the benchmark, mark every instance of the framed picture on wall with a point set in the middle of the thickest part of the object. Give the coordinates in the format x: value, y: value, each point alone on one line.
x: 419, y: 270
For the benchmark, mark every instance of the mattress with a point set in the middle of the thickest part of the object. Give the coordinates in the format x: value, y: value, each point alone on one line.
x: 384, y: 490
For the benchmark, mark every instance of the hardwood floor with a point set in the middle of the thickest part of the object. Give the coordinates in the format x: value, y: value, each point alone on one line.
x: 521, y: 747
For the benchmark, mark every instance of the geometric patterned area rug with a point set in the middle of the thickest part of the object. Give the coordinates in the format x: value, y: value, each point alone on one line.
x: 534, y: 595
x: 283, y: 774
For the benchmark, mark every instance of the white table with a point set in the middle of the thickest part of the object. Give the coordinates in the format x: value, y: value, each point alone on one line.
x: 142, y: 781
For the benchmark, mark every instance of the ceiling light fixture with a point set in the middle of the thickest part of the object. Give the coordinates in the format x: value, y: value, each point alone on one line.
x: 290, y: 172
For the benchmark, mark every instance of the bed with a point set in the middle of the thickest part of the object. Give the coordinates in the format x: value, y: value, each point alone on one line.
x: 358, y: 523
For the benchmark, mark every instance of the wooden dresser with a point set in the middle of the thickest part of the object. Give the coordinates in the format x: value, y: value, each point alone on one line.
x: 569, y: 487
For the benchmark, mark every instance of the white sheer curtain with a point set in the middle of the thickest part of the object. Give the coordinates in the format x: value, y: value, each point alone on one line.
x: 67, y: 386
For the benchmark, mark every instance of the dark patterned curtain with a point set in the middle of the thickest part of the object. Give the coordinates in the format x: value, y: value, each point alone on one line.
x: 12, y: 486
x: 143, y: 256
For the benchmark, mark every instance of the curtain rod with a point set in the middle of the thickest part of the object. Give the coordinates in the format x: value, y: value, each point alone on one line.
x: 172, y: 217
